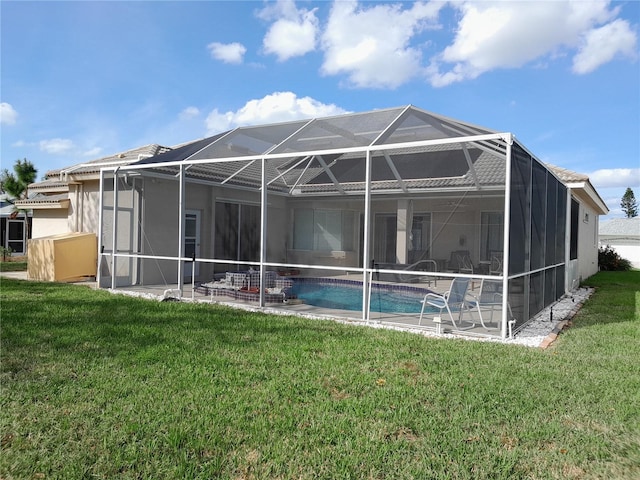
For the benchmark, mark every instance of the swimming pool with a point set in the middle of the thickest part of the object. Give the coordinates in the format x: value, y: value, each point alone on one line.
x: 347, y: 295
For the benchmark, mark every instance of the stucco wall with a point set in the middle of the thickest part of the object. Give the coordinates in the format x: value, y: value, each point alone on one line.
x: 587, y: 242
x: 160, y: 220
x: 49, y: 222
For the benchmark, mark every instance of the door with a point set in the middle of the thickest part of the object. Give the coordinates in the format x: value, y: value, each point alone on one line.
x: 237, y: 232
x: 191, y: 240
x: 16, y: 233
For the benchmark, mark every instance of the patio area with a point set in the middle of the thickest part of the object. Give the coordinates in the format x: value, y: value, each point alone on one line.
x: 398, y: 197
x: 469, y: 321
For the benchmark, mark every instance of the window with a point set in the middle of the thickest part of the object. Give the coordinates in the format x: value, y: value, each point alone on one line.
x: 323, y: 230
x: 575, y: 215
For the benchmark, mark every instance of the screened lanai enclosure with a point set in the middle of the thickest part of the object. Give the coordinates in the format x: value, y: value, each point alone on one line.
x: 369, y: 216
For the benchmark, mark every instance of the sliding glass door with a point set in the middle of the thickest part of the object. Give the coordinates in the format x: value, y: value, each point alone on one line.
x: 237, y: 232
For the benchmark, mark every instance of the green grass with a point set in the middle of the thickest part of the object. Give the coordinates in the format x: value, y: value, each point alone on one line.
x: 96, y: 385
x: 13, y: 266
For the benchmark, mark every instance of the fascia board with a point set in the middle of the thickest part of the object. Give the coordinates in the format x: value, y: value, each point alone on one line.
x: 590, y: 195
x: 55, y: 205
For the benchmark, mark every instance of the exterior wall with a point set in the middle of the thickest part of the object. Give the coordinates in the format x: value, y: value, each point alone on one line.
x: 127, y: 234
x: 160, y: 226
x: 84, y: 211
x: 277, y: 225
x: 455, y: 232
x: 49, y: 222
x: 587, y: 242
x: 159, y: 230
x: 449, y: 231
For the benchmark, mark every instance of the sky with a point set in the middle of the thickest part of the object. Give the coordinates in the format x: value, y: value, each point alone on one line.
x: 82, y: 80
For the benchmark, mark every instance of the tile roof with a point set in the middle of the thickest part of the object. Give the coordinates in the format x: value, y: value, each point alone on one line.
x: 122, y: 158
x: 567, y: 176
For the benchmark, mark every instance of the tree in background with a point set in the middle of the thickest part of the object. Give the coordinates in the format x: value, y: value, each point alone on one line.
x: 629, y: 204
x: 16, y: 184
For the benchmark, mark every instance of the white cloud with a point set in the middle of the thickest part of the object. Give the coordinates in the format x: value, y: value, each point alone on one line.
x: 615, y: 177
x: 189, y: 113
x: 93, y: 152
x: 8, y: 115
x: 496, y: 34
x: 227, y: 52
x: 56, y: 146
x: 354, y: 45
x: 274, y: 108
x: 603, y: 44
x: 293, y: 33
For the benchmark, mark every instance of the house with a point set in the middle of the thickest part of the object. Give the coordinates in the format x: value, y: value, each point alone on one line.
x: 393, y: 200
x: 14, y: 230
x: 623, y: 235
x: 67, y: 200
x: 353, y: 196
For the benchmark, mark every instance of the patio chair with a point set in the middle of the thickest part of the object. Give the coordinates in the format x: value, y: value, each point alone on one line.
x: 465, y: 265
x: 454, y: 300
x: 495, y: 267
x: 489, y: 298
x: 460, y: 262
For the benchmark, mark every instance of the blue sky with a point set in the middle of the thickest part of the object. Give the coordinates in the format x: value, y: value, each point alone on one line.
x: 82, y: 80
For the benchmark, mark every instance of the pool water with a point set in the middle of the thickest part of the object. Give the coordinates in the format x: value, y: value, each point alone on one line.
x: 349, y: 297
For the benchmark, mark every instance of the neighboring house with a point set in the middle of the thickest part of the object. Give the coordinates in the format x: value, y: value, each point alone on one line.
x: 68, y: 200
x: 623, y: 235
x: 13, y: 229
x: 351, y: 195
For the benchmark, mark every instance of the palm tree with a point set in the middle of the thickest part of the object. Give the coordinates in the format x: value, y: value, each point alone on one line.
x: 16, y: 185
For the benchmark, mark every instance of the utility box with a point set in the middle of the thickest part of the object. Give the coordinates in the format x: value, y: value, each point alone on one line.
x: 66, y: 257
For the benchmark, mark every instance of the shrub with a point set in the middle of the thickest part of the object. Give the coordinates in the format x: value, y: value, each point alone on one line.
x: 608, y: 259
x: 5, y: 252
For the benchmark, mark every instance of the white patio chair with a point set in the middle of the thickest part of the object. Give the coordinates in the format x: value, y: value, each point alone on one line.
x: 495, y: 267
x: 489, y: 298
x: 454, y: 300
x: 465, y: 265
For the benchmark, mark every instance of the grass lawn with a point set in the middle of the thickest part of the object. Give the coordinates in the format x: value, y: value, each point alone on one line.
x: 13, y: 266
x: 96, y: 385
